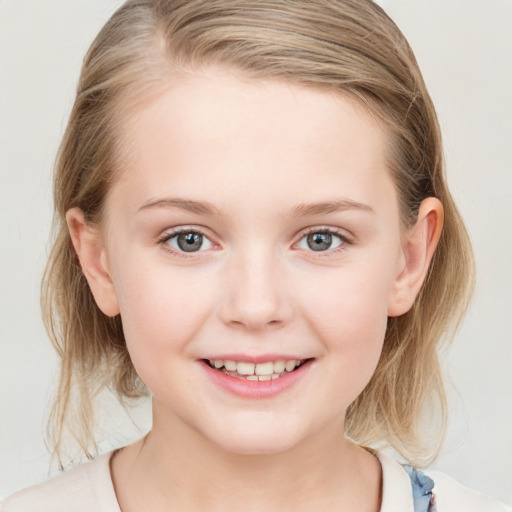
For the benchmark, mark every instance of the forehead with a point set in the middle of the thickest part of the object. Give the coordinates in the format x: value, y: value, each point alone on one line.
x: 213, y: 132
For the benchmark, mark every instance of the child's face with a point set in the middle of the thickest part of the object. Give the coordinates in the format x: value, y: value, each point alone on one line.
x: 252, y: 287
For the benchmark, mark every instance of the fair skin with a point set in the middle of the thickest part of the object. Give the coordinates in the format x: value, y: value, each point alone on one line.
x: 252, y: 289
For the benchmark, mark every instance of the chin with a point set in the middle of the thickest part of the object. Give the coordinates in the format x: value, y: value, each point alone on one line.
x: 261, y: 446
x: 269, y: 440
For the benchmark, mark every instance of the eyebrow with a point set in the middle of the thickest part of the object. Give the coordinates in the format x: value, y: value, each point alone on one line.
x: 301, y: 210
x: 305, y: 209
x: 189, y: 205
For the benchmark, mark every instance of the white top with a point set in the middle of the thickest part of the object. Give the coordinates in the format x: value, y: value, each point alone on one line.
x: 89, y: 488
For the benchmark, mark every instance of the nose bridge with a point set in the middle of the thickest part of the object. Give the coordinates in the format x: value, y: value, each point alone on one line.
x: 255, y: 295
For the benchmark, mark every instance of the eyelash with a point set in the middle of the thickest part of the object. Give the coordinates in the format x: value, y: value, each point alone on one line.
x: 345, y: 240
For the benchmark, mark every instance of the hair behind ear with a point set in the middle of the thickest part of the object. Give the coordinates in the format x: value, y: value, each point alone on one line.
x: 86, y: 349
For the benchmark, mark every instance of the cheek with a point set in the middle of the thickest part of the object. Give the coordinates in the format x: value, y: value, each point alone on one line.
x: 161, y: 311
x: 348, y: 300
x: 348, y: 311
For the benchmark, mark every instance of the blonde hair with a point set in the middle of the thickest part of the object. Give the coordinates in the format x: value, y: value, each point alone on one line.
x: 350, y: 46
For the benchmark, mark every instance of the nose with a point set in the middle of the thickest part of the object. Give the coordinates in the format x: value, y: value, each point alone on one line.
x: 255, y: 296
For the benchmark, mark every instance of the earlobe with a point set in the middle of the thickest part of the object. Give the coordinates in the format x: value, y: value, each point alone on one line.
x: 419, y: 247
x: 92, y: 255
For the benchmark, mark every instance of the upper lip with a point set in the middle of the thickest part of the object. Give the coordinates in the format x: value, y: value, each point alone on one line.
x: 263, y: 358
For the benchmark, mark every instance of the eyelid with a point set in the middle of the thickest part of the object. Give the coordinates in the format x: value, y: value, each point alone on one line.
x: 343, y: 234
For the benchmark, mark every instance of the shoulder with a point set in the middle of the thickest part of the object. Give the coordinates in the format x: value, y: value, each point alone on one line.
x: 81, y: 489
x: 449, y: 495
x: 452, y: 495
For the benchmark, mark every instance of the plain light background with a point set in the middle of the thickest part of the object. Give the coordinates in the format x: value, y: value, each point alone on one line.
x: 464, y: 48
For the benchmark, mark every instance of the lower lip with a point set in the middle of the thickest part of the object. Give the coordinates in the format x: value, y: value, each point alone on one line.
x: 256, y: 388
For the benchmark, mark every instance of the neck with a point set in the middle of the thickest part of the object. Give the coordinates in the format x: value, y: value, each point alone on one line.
x: 174, y: 467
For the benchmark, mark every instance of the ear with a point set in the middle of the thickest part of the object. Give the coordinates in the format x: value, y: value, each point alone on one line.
x: 419, y: 247
x: 92, y: 255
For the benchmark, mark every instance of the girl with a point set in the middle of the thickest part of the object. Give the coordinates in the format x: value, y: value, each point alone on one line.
x: 254, y: 229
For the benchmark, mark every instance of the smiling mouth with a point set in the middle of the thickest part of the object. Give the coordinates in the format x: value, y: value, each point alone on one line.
x: 270, y: 370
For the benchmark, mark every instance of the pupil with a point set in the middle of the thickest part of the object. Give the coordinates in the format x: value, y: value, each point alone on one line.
x: 190, y: 242
x: 319, y: 241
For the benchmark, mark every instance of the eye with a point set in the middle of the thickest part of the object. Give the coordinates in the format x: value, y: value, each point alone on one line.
x: 321, y: 240
x: 186, y: 240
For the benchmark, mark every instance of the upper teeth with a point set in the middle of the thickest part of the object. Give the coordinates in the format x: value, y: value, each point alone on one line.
x: 268, y: 368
